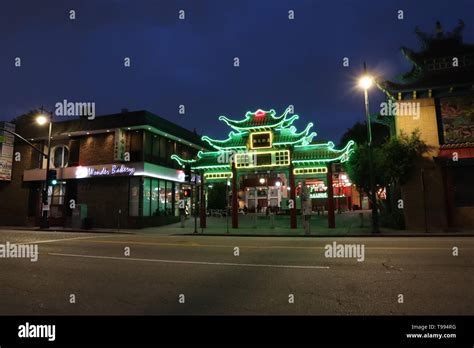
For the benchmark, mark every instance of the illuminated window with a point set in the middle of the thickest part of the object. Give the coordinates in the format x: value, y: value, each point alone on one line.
x: 282, y: 158
x: 313, y: 170
x: 134, y: 197
x: 60, y: 156
x: 217, y: 176
x: 154, y: 196
x: 146, y: 196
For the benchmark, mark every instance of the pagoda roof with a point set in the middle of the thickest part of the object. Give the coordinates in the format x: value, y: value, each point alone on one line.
x: 304, y: 151
x: 281, y: 137
x: 261, y: 120
x: 320, y: 153
x: 432, y: 67
x: 302, y: 155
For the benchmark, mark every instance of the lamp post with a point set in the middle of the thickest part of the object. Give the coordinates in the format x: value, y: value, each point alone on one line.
x: 42, y: 119
x: 365, y: 83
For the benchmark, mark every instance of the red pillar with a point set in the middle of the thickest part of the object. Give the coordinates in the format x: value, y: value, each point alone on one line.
x: 292, y: 197
x: 235, y: 217
x: 202, y: 219
x: 331, y: 217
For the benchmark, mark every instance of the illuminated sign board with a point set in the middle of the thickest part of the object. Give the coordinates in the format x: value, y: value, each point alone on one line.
x: 109, y: 170
x: 261, y: 140
x: 6, y: 151
x: 120, y: 142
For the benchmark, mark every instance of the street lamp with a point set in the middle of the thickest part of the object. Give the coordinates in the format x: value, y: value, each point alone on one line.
x: 365, y: 82
x: 42, y: 119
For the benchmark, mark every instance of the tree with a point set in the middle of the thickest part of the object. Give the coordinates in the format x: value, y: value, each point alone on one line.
x: 358, y: 168
x: 394, y: 163
x: 400, y: 156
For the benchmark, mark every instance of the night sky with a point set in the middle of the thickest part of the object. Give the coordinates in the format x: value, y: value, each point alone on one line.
x: 190, y: 61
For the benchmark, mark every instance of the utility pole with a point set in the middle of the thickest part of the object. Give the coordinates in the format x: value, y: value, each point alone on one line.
x: 373, y: 195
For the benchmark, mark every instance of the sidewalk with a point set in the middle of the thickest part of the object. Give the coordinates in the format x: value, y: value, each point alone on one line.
x: 347, y: 225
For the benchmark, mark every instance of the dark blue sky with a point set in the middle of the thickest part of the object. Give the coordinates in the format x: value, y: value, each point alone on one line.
x: 190, y: 62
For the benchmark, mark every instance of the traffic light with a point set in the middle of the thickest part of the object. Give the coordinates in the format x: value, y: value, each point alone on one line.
x: 52, y: 177
x: 187, y: 193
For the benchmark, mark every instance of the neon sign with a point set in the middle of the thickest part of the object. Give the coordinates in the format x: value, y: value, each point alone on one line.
x: 84, y: 172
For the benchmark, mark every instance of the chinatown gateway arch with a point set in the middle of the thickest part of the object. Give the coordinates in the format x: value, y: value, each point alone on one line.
x: 268, y: 164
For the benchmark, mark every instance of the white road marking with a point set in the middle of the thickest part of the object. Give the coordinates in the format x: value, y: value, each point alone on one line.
x: 64, y: 239
x: 190, y: 262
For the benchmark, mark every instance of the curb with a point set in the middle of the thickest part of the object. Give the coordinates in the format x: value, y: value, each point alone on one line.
x: 324, y: 235
x: 59, y: 230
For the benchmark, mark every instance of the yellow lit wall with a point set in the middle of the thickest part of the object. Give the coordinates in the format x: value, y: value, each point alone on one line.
x: 426, y: 123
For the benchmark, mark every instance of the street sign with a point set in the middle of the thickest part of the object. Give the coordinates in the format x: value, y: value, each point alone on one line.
x: 6, y: 151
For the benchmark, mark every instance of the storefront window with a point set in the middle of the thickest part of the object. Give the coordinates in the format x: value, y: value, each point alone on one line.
x: 169, y: 197
x: 134, y: 197
x: 146, y: 196
x: 162, y: 196
x: 56, y: 197
x: 177, y: 188
x: 154, y: 197
x: 56, y: 194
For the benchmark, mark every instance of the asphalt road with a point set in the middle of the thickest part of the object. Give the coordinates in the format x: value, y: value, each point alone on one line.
x: 213, y: 280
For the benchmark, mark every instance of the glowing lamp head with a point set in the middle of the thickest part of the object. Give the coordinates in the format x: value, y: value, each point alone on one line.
x: 277, y: 183
x: 366, y: 82
x: 261, y: 181
x: 41, y: 119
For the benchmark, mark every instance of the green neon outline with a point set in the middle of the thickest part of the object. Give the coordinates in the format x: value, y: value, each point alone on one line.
x: 346, y: 151
x: 248, y: 115
x: 228, y: 175
x: 305, y: 137
x: 230, y: 136
x: 307, y: 168
x: 181, y: 161
x: 211, y: 167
